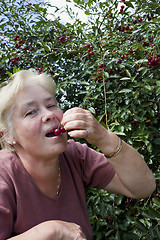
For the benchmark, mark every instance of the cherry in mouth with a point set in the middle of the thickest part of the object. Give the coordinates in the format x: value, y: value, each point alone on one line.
x: 60, y: 130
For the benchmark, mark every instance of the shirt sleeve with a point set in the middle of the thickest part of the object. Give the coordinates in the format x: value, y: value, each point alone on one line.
x: 96, y: 171
x: 7, y: 204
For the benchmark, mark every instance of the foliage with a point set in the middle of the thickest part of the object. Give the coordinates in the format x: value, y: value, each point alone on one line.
x: 109, y: 65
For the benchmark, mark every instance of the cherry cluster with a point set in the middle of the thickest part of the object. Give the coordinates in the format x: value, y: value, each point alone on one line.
x: 153, y: 61
x: 89, y: 48
x: 60, y: 130
x: 122, y: 8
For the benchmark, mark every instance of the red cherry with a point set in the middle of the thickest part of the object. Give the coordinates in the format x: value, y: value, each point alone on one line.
x: 51, y: 72
x: 156, y: 60
x: 122, y: 57
x: 131, y: 51
x: 88, y: 45
x: 62, y: 129
x: 150, y: 59
x: 149, y: 17
x: 134, y: 21
x: 57, y: 131
x: 126, y: 27
x: 91, y: 53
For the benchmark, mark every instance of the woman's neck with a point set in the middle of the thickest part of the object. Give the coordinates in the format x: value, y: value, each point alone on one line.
x: 46, y: 174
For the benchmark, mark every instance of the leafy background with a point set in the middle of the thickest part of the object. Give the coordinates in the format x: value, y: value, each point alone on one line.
x: 109, y: 65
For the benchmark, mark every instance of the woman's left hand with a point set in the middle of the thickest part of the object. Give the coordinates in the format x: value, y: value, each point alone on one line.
x: 82, y: 124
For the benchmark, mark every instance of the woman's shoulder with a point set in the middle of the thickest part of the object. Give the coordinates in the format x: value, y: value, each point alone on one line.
x: 8, y: 163
x: 4, y: 155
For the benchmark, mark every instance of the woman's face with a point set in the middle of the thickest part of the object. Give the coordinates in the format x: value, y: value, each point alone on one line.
x: 35, y: 115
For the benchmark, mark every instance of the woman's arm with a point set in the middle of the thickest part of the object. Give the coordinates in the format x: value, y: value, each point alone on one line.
x: 52, y: 230
x: 133, y: 178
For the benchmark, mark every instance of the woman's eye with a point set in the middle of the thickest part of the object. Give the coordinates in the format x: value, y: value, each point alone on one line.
x: 30, y: 113
x: 52, y: 106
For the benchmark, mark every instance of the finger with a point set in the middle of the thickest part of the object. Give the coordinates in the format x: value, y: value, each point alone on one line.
x: 74, y: 109
x: 71, y: 115
x: 76, y: 124
x: 78, y: 134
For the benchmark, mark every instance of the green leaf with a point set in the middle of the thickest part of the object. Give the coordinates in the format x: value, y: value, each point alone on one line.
x: 157, y: 232
x: 141, y: 61
x: 157, y: 175
x: 92, y: 110
x: 86, y: 12
x: 129, y: 4
x: 151, y: 213
x: 141, y: 226
x: 117, y: 236
x: 125, y: 91
x: 157, y: 201
x: 158, y: 83
x: 157, y: 141
x: 128, y: 73
x: 47, y: 48
x: 124, y: 78
x: 130, y: 236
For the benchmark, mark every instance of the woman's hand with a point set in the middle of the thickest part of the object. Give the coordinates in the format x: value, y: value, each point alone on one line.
x: 82, y: 124
x: 69, y: 231
x: 53, y: 230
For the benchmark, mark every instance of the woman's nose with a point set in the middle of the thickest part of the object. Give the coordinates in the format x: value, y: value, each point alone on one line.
x: 47, y: 115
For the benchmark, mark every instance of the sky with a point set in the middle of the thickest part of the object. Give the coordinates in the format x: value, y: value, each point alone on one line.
x: 64, y: 16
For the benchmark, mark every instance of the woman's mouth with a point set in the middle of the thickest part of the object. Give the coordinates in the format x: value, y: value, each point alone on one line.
x: 51, y: 134
x: 55, y: 132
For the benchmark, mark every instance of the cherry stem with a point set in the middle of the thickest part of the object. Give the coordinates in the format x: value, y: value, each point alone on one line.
x: 59, y: 124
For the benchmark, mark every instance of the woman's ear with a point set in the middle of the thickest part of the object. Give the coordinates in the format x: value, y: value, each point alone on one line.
x: 10, y: 140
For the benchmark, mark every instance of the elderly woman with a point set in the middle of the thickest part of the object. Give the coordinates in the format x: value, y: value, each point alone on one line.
x: 43, y: 176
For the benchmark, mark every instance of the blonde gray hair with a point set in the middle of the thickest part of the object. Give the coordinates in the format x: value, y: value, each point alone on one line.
x: 8, y: 93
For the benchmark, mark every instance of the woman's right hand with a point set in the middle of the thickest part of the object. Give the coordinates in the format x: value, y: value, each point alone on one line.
x: 53, y: 230
x: 69, y: 231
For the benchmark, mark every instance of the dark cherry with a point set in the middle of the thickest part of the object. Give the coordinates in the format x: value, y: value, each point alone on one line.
x: 57, y: 131
x: 62, y: 129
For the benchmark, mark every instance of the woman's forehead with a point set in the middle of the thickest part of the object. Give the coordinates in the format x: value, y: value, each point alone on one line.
x: 32, y: 94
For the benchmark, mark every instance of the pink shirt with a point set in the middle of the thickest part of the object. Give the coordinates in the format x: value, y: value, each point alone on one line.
x: 23, y: 205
